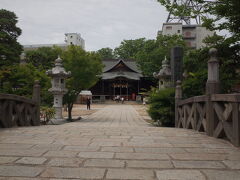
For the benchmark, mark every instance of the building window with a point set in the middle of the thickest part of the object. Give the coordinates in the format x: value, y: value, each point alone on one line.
x: 71, y: 43
x: 70, y: 36
x: 178, y: 31
x: 169, y: 27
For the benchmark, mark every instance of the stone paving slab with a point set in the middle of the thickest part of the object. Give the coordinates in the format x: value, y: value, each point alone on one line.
x: 84, y: 173
x: 130, y: 174
x: 180, y: 175
x: 20, y: 171
x: 114, y: 143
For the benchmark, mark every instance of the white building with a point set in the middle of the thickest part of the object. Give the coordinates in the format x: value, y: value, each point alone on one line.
x: 70, y: 38
x: 75, y: 39
x: 193, y: 35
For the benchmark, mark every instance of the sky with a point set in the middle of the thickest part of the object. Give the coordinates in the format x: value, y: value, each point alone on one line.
x: 101, y: 23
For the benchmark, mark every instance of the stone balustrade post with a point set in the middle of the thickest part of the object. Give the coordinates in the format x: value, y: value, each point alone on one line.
x: 212, y: 87
x: 37, y: 99
x: 178, y: 97
x: 36, y: 92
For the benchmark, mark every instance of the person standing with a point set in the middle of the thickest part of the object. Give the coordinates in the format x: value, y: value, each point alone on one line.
x: 88, y: 103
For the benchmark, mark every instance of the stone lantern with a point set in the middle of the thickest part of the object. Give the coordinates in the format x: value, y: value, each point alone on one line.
x: 23, y: 59
x: 164, y: 75
x: 58, y: 89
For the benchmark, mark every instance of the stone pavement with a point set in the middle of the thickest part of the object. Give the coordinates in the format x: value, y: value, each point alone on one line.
x: 114, y: 143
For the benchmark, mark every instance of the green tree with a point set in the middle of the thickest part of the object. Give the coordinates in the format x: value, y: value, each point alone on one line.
x: 129, y: 48
x: 150, y: 57
x: 19, y: 80
x: 195, y: 64
x: 10, y: 49
x: 43, y: 57
x: 84, y: 67
x: 106, y: 53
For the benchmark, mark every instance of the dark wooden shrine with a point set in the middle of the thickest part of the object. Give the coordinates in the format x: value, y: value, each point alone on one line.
x: 120, y: 78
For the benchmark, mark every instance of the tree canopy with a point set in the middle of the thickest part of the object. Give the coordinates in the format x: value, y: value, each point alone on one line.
x: 43, y: 57
x: 84, y: 67
x: 106, y: 53
x: 150, y: 57
x: 10, y: 49
x: 128, y: 48
x: 19, y: 80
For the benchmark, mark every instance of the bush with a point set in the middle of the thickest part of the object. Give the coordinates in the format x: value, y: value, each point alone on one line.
x: 162, y: 104
x: 46, y: 114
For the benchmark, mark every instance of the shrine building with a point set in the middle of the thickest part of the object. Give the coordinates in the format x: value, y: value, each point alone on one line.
x: 119, y: 78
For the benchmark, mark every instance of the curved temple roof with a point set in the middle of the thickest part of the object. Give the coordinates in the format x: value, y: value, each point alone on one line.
x: 134, y: 73
x: 128, y: 75
x: 111, y: 63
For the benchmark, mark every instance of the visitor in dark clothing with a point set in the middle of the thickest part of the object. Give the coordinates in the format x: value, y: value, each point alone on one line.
x: 88, y: 103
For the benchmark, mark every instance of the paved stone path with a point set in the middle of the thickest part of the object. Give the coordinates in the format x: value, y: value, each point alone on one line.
x: 114, y: 143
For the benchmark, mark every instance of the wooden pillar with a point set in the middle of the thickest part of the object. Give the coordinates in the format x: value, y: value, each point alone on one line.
x: 36, y: 98
x: 102, y: 87
x: 212, y: 87
x: 114, y: 90
x: 236, y: 123
x: 178, y: 97
x: 120, y: 87
x: 138, y: 86
x: 127, y: 92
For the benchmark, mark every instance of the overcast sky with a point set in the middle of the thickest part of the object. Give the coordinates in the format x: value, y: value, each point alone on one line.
x: 101, y: 23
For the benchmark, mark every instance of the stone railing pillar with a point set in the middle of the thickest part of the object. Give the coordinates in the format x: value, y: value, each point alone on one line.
x: 178, y: 97
x: 36, y: 92
x: 36, y: 97
x: 212, y: 87
x: 213, y: 84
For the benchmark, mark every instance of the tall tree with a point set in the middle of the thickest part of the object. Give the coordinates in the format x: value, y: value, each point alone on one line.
x: 84, y: 67
x: 150, y: 57
x: 129, y: 48
x: 19, y: 80
x: 10, y: 49
x: 43, y: 57
x: 106, y: 53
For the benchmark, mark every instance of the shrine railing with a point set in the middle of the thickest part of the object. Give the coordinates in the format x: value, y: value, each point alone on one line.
x: 216, y: 114
x: 20, y: 111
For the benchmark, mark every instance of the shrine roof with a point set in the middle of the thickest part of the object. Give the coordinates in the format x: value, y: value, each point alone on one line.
x: 111, y: 63
x: 128, y: 75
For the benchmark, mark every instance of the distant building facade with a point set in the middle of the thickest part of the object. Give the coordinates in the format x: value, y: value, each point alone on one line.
x: 193, y: 35
x: 75, y: 39
x: 70, y: 39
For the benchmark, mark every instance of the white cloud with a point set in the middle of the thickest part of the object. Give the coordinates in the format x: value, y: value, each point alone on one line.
x: 102, y: 23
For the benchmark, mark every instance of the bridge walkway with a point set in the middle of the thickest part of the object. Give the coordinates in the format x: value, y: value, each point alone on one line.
x: 114, y: 143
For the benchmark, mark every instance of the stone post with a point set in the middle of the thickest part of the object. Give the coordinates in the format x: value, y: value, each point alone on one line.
x: 37, y: 99
x: 213, y: 84
x: 36, y: 92
x: 212, y: 87
x: 176, y: 64
x: 178, y: 97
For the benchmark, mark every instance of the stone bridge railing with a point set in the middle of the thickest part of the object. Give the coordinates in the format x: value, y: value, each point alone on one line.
x: 20, y: 111
x: 216, y: 114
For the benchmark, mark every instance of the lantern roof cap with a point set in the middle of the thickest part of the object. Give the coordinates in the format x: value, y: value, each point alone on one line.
x: 165, y: 71
x: 58, y: 69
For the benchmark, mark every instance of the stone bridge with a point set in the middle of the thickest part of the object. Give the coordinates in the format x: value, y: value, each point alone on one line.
x: 114, y: 143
